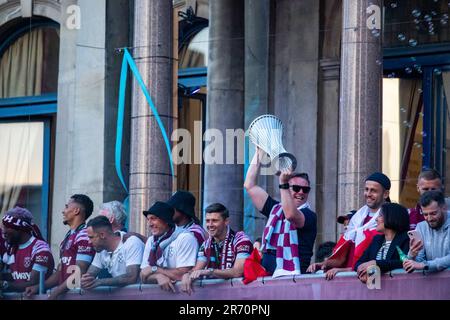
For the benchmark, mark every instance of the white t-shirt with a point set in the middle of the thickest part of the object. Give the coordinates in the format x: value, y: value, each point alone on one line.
x: 182, y: 252
x: 126, y: 254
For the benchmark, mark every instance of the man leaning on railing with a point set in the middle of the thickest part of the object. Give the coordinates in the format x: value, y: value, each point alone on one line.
x: 223, y: 254
x: 432, y: 252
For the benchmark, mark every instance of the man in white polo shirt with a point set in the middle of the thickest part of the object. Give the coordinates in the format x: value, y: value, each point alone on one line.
x: 169, y: 252
x: 119, y: 254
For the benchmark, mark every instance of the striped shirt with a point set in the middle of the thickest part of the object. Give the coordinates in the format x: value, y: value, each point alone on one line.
x: 382, y: 253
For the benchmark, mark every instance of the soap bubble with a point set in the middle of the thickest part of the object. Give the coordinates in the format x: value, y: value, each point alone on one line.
x: 412, y: 42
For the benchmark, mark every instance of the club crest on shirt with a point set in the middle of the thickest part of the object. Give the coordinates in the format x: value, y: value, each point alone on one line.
x: 170, y: 252
x: 68, y: 245
x: 27, y: 262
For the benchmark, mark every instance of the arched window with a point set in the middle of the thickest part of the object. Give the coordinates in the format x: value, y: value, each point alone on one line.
x: 29, y: 61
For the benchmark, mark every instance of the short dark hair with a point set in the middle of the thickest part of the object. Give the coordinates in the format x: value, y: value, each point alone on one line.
x: 433, y: 195
x: 85, y: 202
x: 100, y: 222
x: 395, y: 217
x: 302, y: 175
x: 218, y: 207
x: 429, y: 174
x: 324, y: 251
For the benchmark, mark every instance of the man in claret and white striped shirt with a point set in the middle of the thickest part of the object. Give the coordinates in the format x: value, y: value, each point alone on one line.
x: 183, y: 202
x: 26, y: 254
x: 223, y: 254
x: 75, y: 249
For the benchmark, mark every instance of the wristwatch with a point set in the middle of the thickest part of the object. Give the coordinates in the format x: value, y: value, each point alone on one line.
x: 211, y: 271
x: 154, y: 269
x: 284, y: 186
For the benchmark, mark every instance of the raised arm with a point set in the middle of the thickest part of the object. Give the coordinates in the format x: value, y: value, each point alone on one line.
x: 256, y: 193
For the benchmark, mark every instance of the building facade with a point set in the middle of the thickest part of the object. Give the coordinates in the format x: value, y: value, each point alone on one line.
x: 360, y: 86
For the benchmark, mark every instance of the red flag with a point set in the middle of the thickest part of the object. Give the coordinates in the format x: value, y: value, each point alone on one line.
x: 253, y: 268
x: 343, y: 252
x: 364, y: 244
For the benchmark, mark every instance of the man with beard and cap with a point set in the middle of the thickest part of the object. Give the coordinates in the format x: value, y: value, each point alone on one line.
x: 291, y: 220
x: 169, y: 252
x: 360, y: 229
x: 183, y: 202
x: 27, y: 255
x: 75, y: 249
x: 432, y: 252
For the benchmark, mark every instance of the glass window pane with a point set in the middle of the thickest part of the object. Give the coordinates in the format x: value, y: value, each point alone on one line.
x: 402, y: 137
x: 29, y: 66
x: 195, y: 55
x: 21, y: 166
x: 410, y: 23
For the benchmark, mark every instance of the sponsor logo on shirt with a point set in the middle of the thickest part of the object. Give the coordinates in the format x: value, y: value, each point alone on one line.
x: 243, y: 248
x: 84, y: 249
x: 66, y: 260
x: 41, y: 259
x: 21, y: 275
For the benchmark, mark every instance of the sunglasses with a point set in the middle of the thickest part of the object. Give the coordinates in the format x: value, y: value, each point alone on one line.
x: 297, y: 188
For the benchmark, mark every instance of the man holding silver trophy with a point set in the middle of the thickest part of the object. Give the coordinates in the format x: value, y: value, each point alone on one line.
x: 291, y: 228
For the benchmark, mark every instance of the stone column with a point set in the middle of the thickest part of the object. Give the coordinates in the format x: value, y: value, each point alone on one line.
x: 225, y: 105
x: 360, y: 103
x: 150, y: 175
x: 327, y: 149
x: 257, y: 23
x: 294, y: 82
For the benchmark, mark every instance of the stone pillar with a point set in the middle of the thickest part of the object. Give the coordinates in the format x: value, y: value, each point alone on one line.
x: 225, y: 105
x: 150, y: 175
x: 295, y: 83
x: 327, y: 149
x: 360, y: 103
x: 80, y: 131
x: 257, y: 23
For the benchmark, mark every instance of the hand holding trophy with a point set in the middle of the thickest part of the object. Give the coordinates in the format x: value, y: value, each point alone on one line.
x: 266, y: 133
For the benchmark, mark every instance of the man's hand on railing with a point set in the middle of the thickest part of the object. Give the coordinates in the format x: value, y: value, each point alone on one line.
x: 314, y: 267
x: 186, y: 284
x: 88, y: 281
x: 32, y: 290
x: 165, y: 283
x: 411, y: 265
x: 145, y: 273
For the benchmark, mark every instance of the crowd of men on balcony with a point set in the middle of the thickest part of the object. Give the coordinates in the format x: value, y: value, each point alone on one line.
x: 180, y: 250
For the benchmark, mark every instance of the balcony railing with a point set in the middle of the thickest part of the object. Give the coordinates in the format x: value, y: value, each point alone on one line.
x: 397, y: 285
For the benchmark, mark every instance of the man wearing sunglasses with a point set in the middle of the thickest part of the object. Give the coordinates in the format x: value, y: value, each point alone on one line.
x: 294, y: 190
x: 428, y: 180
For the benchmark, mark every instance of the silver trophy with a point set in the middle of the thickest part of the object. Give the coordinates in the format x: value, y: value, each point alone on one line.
x: 266, y: 132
